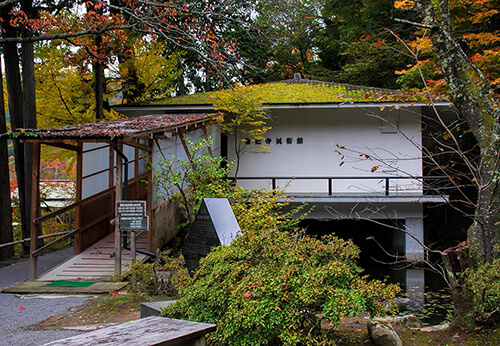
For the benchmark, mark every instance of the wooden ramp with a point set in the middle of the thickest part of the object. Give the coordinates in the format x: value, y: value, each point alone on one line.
x: 95, y: 263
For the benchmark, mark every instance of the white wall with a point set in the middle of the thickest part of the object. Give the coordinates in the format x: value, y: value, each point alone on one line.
x: 173, y: 146
x: 324, y: 134
x: 98, y: 160
x: 94, y: 161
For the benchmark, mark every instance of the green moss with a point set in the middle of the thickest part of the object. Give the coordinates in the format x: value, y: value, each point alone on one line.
x: 298, y: 93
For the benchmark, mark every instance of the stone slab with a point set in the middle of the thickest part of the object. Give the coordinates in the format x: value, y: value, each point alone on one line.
x: 154, y: 308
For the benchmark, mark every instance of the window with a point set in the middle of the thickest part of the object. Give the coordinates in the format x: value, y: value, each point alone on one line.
x: 390, y: 124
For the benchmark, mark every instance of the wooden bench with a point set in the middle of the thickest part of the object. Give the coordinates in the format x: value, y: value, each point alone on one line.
x: 145, y: 331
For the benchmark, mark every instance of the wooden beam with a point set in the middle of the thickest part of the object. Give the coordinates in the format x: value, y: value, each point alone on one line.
x: 136, y: 162
x: 63, y: 145
x: 180, y: 131
x: 205, y: 133
x: 35, y: 209
x: 159, y: 148
x: 111, y: 165
x: 149, y: 202
x: 137, y: 145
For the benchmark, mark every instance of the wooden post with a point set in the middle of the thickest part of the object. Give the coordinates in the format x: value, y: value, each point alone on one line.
x: 180, y: 131
x: 35, y: 209
x: 132, y: 247
x: 205, y: 133
x: 136, y: 162
x: 111, y: 164
x: 78, y: 196
x: 118, y: 197
x: 149, y: 198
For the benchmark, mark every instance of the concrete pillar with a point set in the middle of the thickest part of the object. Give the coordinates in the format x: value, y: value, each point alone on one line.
x: 414, y: 238
x: 415, y: 288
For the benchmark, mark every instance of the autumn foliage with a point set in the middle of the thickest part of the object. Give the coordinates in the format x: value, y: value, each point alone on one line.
x: 475, y: 24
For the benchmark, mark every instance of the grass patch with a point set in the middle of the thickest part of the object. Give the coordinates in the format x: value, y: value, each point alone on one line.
x: 118, y: 304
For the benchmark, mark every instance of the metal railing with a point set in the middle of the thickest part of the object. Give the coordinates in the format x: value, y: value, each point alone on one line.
x: 330, y: 180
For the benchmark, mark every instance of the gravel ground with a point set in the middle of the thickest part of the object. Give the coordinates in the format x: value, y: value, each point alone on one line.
x: 19, y: 314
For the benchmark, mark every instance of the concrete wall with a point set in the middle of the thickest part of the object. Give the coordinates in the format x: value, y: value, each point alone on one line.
x: 164, y: 221
x: 323, y: 142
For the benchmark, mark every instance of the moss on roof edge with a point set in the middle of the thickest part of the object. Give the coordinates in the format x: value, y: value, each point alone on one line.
x: 297, y: 92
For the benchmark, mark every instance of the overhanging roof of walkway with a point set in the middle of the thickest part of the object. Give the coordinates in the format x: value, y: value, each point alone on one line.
x: 138, y: 127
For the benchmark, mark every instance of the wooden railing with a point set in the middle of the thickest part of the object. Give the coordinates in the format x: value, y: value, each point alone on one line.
x: 108, y: 214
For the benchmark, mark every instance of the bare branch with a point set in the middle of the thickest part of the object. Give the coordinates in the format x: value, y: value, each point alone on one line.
x: 419, y: 25
x: 63, y: 36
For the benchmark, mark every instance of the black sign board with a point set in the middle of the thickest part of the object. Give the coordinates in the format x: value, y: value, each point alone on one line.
x: 132, y: 215
x: 214, y: 225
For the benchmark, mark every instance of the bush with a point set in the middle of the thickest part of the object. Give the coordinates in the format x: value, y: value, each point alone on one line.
x: 160, y: 277
x: 484, y: 282
x: 275, y: 287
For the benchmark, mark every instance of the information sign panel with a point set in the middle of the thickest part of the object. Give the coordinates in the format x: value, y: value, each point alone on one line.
x: 132, y: 215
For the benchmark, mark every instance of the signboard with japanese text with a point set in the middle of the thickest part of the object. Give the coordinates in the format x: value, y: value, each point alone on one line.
x: 132, y: 215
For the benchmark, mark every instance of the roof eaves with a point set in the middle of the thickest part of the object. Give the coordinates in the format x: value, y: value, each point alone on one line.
x: 112, y: 130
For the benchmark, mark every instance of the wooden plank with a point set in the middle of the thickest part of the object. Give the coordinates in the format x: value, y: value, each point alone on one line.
x: 91, y: 263
x: 63, y: 145
x: 71, y: 206
x: 68, y: 235
x: 151, y: 330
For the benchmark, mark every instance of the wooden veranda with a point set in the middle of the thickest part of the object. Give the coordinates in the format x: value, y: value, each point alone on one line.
x: 95, y: 214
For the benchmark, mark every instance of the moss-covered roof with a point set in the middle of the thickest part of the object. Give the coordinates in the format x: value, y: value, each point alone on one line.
x: 299, y: 91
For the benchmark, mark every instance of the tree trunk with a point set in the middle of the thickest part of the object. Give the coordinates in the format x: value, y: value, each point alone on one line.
x: 6, y: 235
x: 29, y: 109
x: 15, y: 92
x: 456, y: 260
x: 98, y: 90
x: 473, y: 97
x: 98, y: 69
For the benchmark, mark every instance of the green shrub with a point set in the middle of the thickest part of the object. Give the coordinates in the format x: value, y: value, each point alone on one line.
x: 160, y: 277
x: 484, y: 282
x: 273, y: 287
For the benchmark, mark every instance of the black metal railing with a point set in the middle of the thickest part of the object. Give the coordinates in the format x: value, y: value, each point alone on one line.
x: 330, y: 180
